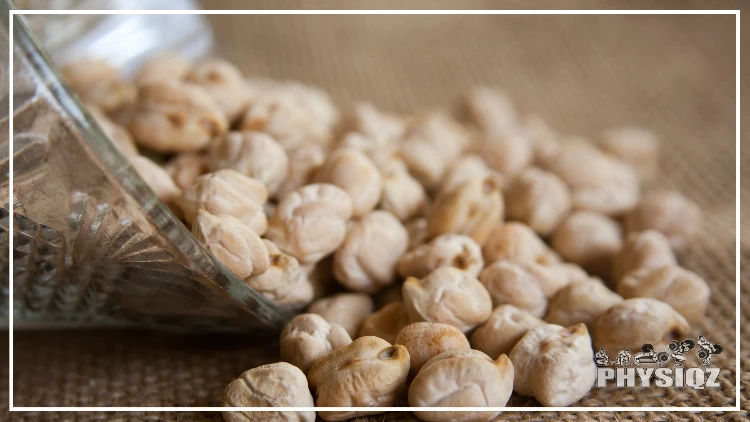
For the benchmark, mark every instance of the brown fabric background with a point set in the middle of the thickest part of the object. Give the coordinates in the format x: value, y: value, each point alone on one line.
x: 673, y: 74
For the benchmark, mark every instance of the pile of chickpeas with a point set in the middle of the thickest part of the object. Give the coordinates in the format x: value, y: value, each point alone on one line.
x: 433, y: 261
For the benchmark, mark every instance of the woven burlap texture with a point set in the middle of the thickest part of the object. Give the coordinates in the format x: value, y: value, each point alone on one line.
x: 673, y: 74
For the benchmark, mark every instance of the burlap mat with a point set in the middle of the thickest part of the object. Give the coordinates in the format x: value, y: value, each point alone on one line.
x: 673, y: 74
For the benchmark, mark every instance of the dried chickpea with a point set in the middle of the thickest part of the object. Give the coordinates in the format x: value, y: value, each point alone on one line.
x: 353, y: 172
x: 539, y: 199
x: 589, y: 239
x: 634, y: 322
x: 447, y: 295
x: 226, y: 192
x: 283, y: 283
x: 554, y: 364
x: 468, y: 167
x: 517, y: 242
x: 375, y: 124
x: 683, y: 290
x: 515, y: 283
x: 498, y: 335
x: 580, y: 302
x: 386, y: 323
x: 462, y: 378
x: 669, y: 212
x: 253, y: 154
x: 473, y: 209
x: 545, y: 143
x: 162, y: 68
x: 597, y: 182
x: 98, y: 83
x: 366, y: 261
x: 309, y: 337
x: 509, y: 154
x: 417, y: 229
x: 293, y: 114
x: 185, y: 168
x: 116, y: 133
x: 492, y: 110
x: 311, y: 222
x: 275, y: 385
x: 224, y: 83
x: 369, y: 372
x: 425, y: 340
x: 156, y: 178
x: 635, y: 146
x: 403, y: 196
x: 646, y: 249
x: 234, y: 244
x: 346, y: 309
x: 303, y: 162
x: 447, y: 250
x: 173, y: 116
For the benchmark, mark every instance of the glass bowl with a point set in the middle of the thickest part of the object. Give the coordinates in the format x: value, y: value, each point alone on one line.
x: 92, y: 244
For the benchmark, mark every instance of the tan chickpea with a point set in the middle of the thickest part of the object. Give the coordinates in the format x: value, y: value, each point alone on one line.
x: 468, y: 167
x: 515, y: 283
x: 598, y: 182
x: 283, y: 283
x: 375, y: 124
x: 580, y: 302
x: 386, y: 323
x: 253, y: 154
x: 224, y: 83
x: 425, y: 340
x: 417, y: 229
x: 156, y: 178
x: 293, y: 114
x: 366, y: 261
x: 185, y: 168
x: 445, y: 379
x: 545, y: 143
x: 174, y: 116
x: 447, y: 295
x: 98, y: 83
x: 509, y: 154
x: 539, y: 199
x: 517, y: 242
x: 633, y: 322
x: 275, y: 385
x: 116, y: 133
x: 162, y: 68
x: 491, y: 110
x: 303, y: 162
x: 226, y: 192
x: 369, y: 372
x: 684, y: 290
x: 554, y: 364
x: 234, y: 244
x: 646, y: 249
x: 589, y: 239
x: 637, y: 147
x: 346, y: 309
x: 403, y: 196
x: 507, y: 324
x: 669, y: 212
x: 473, y: 209
x: 353, y: 172
x: 309, y: 337
x: 311, y: 222
x: 454, y: 250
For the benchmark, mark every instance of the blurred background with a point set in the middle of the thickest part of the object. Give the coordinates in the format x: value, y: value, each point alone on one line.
x: 673, y: 74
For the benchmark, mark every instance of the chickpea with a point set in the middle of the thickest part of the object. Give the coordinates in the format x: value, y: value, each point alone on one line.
x: 346, y: 309
x: 670, y: 213
x: 539, y: 199
x: 116, y: 133
x: 517, y: 284
x: 517, y: 242
x: 369, y: 372
x: 473, y: 209
x: 454, y: 250
x: 234, y: 244
x: 637, y: 147
x: 509, y: 154
x: 646, y: 249
x: 545, y: 143
x: 253, y: 154
x: 445, y: 379
x: 162, y: 68
x: 310, y: 223
x: 283, y: 283
x: 275, y: 385
x: 224, y: 83
x: 581, y: 302
x: 468, y: 167
x: 174, y: 116
x: 403, y: 196
x: 309, y: 337
x: 589, y: 239
x: 425, y: 340
x: 375, y: 124
x: 554, y: 364
x: 447, y: 295
x: 98, y: 83
x: 353, y: 172
x: 498, y: 335
x: 185, y: 168
x: 156, y: 178
x: 303, y: 162
x: 386, y: 323
x: 492, y: 110
x: 417, y: 229
x: 320, y: 275
x: 226, y: 192
x: 684, y: 290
